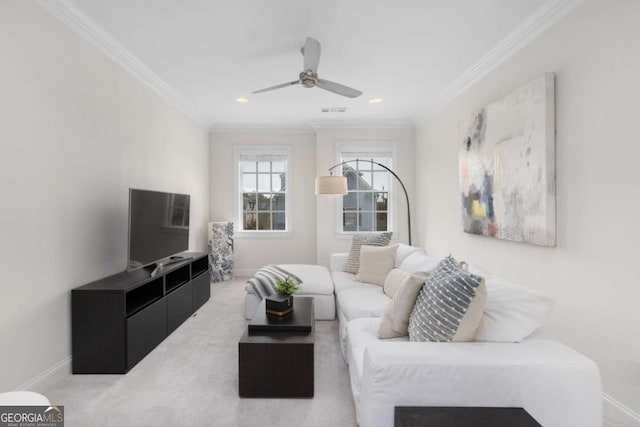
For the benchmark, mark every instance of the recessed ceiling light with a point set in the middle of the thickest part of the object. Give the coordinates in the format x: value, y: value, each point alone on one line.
x: 242, y: 100
x: 375, y: 100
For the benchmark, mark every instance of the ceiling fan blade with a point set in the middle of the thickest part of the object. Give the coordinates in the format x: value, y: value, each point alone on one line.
x: 276, y: 87
x: 338, y: 88
x: 311, y: 54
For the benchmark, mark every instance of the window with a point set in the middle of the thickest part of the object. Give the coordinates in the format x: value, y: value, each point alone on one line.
x: 262, y: 196
x: 367, y: 206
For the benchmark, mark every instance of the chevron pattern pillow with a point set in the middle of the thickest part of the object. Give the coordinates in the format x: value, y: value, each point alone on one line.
x: 369, y: 239
x: 449, y: 306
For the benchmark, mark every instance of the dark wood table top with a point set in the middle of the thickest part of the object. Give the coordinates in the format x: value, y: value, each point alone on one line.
x: 266, y: 329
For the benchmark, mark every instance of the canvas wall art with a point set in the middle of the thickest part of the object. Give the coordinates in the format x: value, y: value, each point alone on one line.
x: 507, y: 166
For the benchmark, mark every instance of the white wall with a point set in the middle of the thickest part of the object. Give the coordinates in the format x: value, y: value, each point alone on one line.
x: 592, y: 273
x: 76, y: 131
x: 252, y: 253
x: 326, y: 140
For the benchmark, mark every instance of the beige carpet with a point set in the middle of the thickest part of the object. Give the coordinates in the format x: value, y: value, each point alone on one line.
x: 191, y: 379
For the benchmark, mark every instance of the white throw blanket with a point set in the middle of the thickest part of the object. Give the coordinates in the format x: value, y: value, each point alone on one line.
x: 264, y: 281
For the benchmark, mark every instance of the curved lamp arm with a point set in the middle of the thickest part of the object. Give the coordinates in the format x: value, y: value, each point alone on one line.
x: 406, y: 195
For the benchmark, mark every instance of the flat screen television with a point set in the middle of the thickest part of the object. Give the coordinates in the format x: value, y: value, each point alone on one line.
x: 158, y: 226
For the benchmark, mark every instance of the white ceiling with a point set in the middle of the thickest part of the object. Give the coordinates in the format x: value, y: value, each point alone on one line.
x: 206, y: 53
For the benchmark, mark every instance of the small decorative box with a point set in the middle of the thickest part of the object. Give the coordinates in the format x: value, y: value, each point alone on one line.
x: 279, y: 305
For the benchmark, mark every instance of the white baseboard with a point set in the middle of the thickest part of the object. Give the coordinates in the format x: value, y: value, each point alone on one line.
x: 618, y: 415
x: 49, y: 378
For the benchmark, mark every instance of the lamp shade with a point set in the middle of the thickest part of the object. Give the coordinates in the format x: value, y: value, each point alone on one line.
x: 331, y: 185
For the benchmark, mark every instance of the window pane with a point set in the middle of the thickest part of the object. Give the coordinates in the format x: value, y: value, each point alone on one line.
x: 366, y: 180
x: 278, y: 182
x: 278, y: 221
x: 381, y: 181
x: 382, y: 160
x: 278, y: 202
x: 249, y: 221
x: 349, y: 201
x: 279, y: 166
x: 264, y: 183
x: 248, y: 201
x: 381, y: 221
x: 366, y: 201
x: 264, y: 221
x: 248, y: 182
x: 264, y: 166
x: 352, y: 180
x: 365, y: 221
x: 248, y: 166
x: 349, y: 221
x: 381, y: 201
x: 264, y: 201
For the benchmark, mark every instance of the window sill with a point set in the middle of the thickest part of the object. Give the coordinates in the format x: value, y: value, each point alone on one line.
x: 262, y: 234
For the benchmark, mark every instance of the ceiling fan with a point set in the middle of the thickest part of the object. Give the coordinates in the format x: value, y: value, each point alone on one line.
x: 309, y: 77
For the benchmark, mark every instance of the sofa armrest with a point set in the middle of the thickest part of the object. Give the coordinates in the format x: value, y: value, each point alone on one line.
x: 338, y: 261
x: 555, y: 384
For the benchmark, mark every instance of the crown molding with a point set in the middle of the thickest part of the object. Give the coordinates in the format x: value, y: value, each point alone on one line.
x: 85, y: 27
x: 550, y: 13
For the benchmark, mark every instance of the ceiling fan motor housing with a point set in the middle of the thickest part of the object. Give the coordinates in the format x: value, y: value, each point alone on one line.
x: 308, y: 78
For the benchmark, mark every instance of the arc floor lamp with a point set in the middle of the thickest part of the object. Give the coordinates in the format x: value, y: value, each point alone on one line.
x: 338, y: 185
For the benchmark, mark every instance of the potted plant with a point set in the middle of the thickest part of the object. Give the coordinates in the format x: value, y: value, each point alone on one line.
x: 281, y: 304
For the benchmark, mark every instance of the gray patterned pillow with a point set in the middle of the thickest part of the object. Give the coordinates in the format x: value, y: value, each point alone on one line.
x: 449, y: 306
x: 369, y: 239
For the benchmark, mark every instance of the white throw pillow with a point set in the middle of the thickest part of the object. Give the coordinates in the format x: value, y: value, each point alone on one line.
x: 512, y: 312
x: 395, y: 320
x: 375, y: 263
x: 419, y: 261
x: 393, y: 281
x: 404, y: 251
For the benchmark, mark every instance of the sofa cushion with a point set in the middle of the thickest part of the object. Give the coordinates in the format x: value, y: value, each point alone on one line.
x: 362, y: 302
x: 512, y: 312
x: 342, y: 281
x: 419, y: 261
x: 370, y: 239
x: 404, y: 251
x: 395, y: 320
x: 375, y: 263
x: 445, y: 310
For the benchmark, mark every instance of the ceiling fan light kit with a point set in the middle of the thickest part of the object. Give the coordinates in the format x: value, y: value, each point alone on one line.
x: 309, y: 76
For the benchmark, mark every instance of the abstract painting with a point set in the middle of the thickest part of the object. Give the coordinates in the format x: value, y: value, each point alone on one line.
x: 507, y: 166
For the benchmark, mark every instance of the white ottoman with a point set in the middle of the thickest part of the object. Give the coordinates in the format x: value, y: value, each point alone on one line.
x: 316, y: 282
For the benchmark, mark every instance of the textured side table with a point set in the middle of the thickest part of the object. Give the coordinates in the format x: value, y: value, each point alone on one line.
x: 221, y: 251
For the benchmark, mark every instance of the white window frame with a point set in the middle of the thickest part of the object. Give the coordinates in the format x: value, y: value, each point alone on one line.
x: 240, y: 150
x: 368, y: 147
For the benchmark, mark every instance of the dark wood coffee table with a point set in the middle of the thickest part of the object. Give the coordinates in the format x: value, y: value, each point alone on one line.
x: 412, y: 416
x: 278, y: 363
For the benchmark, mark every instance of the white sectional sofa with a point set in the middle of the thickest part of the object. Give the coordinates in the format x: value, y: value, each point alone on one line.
x: 508, y: 367
x: 557, y: 385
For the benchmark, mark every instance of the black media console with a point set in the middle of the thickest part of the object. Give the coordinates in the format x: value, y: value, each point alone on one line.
x: 118, y: 320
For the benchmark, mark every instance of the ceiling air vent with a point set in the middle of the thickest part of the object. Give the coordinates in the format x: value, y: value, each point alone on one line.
x: 333, y: 109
